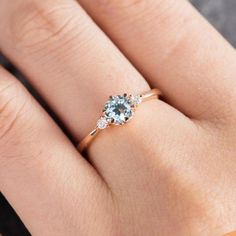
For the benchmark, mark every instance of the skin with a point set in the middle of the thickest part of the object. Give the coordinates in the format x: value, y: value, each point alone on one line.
x: 171, y: 171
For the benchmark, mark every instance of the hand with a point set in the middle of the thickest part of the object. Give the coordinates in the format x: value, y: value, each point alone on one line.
x: 170, y: 171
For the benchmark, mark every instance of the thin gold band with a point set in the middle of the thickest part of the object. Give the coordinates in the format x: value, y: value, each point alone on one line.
x: 152, y: 94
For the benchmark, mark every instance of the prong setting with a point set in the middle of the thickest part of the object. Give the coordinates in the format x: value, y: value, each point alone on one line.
x: 118, y: 110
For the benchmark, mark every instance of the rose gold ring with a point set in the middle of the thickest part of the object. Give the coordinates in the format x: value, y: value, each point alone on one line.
x: 117, y: 111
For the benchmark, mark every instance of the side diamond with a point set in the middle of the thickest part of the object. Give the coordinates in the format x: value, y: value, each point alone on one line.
x: 102, y: 123
x: 136, y: 100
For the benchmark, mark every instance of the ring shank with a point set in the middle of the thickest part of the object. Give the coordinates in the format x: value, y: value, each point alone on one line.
x: 87, y: 140
x: 152, y: 94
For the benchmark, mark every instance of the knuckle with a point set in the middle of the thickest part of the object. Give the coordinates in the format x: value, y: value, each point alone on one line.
x: 16, y: 129
x: 12, y: 106
x: 118, y: 3
x: 115, y: 6
x: 163, y: 13
x: 36, y: 23
x: 122, y: 3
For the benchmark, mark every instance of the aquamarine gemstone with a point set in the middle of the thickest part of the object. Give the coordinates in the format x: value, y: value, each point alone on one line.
x: 118, y: 110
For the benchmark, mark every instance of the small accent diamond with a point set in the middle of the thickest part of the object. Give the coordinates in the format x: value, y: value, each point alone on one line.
x: 136, y: 100
x: 102, y: 123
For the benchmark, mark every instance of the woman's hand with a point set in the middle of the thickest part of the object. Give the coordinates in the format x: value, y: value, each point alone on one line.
x: 171, y: 171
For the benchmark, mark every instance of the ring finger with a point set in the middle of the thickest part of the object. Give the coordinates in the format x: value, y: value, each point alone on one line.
x: 75, y: 67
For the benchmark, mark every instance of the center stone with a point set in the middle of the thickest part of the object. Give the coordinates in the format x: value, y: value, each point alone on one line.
x: 118, y: 110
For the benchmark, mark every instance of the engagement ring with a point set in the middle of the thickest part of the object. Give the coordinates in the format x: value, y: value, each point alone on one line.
x: 117, y: 111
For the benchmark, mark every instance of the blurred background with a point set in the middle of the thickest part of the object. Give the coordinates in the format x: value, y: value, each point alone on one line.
x: 221, y: 13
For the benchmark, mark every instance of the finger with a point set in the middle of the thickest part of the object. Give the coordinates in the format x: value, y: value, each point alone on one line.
x: 63, y: 53
x: 41, y: 173
x: 72, y: 64
x: 76, y: 70
x: 176, y: 49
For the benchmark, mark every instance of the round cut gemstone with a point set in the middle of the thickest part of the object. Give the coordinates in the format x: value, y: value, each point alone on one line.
x: 102, y: 123
x: 136, y: 100
x: 118, y: 110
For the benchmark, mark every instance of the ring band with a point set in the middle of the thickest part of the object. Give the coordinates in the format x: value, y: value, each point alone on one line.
x: 117, y: 111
